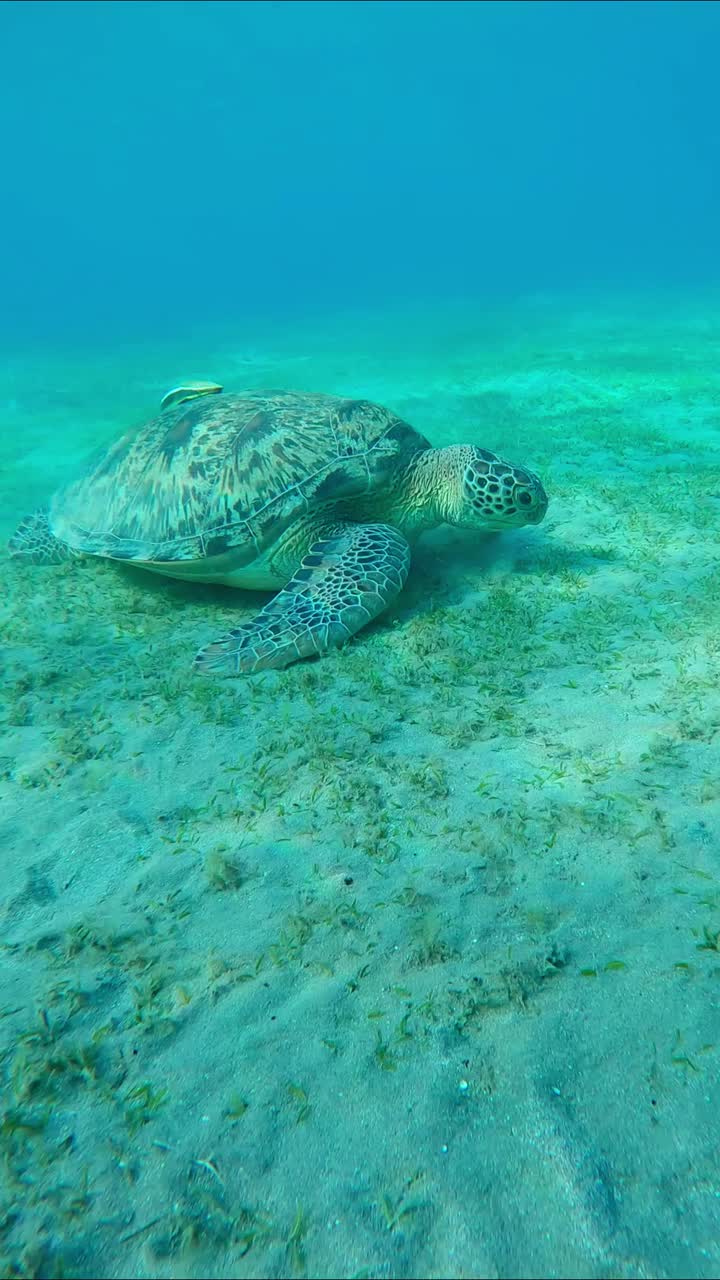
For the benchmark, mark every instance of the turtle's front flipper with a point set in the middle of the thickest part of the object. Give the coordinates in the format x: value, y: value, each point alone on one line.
x: 35, y: 542
x: 345, y: 581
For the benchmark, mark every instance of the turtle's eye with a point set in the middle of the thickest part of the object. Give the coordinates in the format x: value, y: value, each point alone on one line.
x: 524, y: 498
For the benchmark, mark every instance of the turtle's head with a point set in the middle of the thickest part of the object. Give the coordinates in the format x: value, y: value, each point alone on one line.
x: 485, y: 492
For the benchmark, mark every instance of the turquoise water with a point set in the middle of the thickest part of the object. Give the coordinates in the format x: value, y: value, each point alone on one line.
x: 402, y: 962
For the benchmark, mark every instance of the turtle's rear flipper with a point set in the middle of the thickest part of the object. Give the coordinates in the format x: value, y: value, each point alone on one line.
x: 35, y: 541
x: 345, y: 581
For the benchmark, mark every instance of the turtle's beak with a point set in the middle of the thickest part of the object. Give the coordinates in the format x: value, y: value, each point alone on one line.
x: 539, y: 511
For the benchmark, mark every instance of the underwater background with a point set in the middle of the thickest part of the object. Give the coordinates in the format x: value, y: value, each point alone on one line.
x: 405, y: 962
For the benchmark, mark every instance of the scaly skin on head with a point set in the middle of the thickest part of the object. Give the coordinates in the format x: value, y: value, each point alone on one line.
x: 467, y: 487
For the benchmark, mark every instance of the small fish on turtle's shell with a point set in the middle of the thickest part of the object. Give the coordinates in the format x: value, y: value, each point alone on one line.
x: 188, y: 391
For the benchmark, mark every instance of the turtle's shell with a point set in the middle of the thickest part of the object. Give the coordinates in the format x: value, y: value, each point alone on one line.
x: 230, y: 473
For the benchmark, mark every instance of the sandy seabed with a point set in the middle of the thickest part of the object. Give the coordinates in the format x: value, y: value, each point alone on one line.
x: 406, y: 962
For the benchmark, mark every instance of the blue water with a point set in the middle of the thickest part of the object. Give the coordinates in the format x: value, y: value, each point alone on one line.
x: 402, y: 962
x: 169, y: 164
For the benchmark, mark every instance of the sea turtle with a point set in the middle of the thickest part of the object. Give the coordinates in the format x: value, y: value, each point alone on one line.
x: 318, y: 496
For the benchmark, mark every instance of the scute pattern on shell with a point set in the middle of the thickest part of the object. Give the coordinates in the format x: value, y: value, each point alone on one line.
x: 230, y: 473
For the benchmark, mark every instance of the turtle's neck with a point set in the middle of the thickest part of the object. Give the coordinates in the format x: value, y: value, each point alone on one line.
x: 423, y: 496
